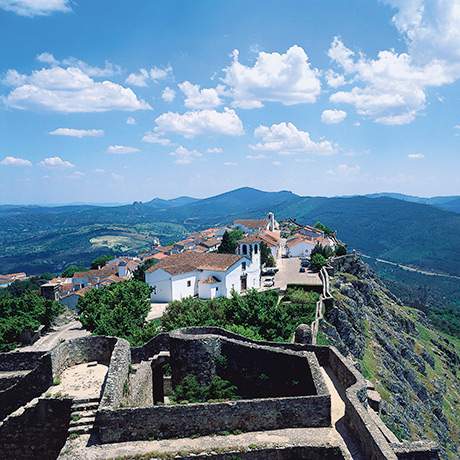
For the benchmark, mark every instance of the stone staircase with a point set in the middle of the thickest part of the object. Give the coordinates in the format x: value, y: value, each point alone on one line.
x: 83, y: 415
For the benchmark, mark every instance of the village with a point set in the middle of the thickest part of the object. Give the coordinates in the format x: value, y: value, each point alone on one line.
x: 267, y: 254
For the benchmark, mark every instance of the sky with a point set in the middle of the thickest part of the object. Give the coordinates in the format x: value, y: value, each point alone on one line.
x: 104, y: 101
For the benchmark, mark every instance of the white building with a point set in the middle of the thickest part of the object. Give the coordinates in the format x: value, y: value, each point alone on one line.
x: 256, y: 225
x: 299, y: 246
x: 204, y: 275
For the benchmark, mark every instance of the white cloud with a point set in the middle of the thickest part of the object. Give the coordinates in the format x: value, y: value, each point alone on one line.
x: 286, y: 78
x: 76, y: 175
x: 185, y: 156
x: 215, y: 150
x: 68, y: 90
x: 345, y: 170
x: 138, y: 79
x: 457, y: 126
x: 190, y: 124
x: 196, y: 98
x: 56, y: 162
x: 333, y: 116
x: 14, y: 161
x: 121, y: 149
x: 71, y: 132
x: 32, y: 8
x: 334, y: 80
x: 286, y: 138
x: 160, y: 73
x: 276, y: 163
x: 153, y: 137
x: 47, y: 58
x: 230, y: 163
x: 130, y: 121
x: 416, y: 156
x: 108, y: 70
x: 392, y: 89
x: 168, y: 94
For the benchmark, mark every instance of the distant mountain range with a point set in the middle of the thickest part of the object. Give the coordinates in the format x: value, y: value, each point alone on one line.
x: 390, y: 226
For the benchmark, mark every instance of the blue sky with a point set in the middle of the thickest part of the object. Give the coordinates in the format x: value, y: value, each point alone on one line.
x: 120, y: 101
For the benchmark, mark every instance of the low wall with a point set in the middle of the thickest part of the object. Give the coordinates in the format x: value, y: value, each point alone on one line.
x: 81, y: 350
x: 163, y: 422
x: 27, y: 387
x: 38, y: 431
x: 20, y: 361
x: 117, y: 376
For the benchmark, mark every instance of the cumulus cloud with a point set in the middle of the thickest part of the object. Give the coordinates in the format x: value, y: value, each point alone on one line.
x: 286, y: 138
x: 334, y: 79
x: 14, y: 161
x: 168, y: 94
x: 194, y: 123
x: 154, y: 137
x: 121, y: 149
x: 68, y: 90
x: 333, y: 116
x: 71, y: 132
x: 108, y: 70
x: 32, y: 8
x: 143, y: 76
x: 392, y: 88
x: 416, y: 156
x: 185, y: 156
x: 138, y: 79
x: 286, y: 78
x: 196, y: 98
x: 130, y: 121
x: 56, y: 162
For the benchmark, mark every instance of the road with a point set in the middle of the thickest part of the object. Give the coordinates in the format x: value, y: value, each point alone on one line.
x: 68, y: 331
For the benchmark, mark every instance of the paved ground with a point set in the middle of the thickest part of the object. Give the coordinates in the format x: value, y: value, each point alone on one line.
x: 289, y: 273
x: 81, y: 381
x: 156, y: 311
x: 71, y: 330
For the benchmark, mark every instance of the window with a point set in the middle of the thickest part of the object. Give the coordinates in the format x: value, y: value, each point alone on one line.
x: 256, y: 248
x: 245, y: 249
x: 243, y: 265
x: 217, y: 288
x: 189, y: 283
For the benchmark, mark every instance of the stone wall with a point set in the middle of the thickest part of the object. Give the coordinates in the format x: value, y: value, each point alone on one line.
x: 37, y: 431
x: 81, y: 350
x: 140, y: 389
x: 163, y: 422
x: 117, y: 376
x: 158, y: 343
x: 20, y: 361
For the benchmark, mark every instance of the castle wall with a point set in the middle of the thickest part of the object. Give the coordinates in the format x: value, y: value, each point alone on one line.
x: 37, y: 431
x: 163, y: 422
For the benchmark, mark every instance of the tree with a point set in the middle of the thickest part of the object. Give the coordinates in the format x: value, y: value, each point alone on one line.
x: 317, y: 261
x: 119, y: 310
x: 325, y: 251
x: 101, y: 261
x: 24, y: 312
x: 71, y: 270
x: 230, y: 241
x: 324, y: 228
x: 139, y: 273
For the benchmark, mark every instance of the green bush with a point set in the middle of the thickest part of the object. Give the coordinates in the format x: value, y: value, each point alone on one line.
x: 256, y: 315
x: 26, y: 311
x: 190, y: 390
x: 340, y: 250
x: 317, y: 261
x: 119, y: 310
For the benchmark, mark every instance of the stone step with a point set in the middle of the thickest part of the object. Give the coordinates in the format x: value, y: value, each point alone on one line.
x: 85, y: 400
x: 84, y: 413
x: 79, y: 407
x: 85, y: 429
x: 82, y: 421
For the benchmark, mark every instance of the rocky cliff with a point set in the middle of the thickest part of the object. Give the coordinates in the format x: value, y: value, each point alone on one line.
x: 414, y: 367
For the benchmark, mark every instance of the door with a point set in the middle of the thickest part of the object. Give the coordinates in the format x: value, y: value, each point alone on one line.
x: 244, y: 283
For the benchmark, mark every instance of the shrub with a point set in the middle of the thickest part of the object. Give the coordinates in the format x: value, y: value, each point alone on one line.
x: 340, y: 250
x: 317, y: 261
x: 190, y: 390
